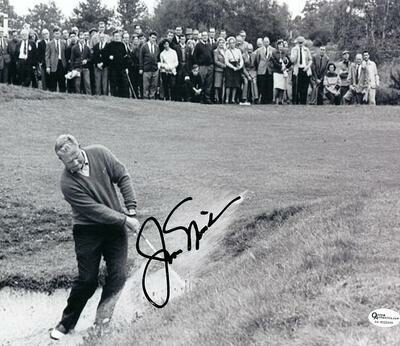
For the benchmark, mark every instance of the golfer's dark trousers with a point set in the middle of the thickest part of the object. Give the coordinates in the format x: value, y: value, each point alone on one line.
x: 300, y: 87
x: 91, y: 243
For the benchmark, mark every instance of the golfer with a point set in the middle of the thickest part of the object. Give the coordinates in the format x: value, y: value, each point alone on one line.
x: 99, y: 226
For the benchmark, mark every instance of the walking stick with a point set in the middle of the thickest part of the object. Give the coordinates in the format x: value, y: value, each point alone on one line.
x: 130, y: 84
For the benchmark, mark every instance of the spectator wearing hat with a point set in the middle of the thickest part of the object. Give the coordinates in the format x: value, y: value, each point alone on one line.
x: 189, y: 34
x: 219, y: 69
x: 332, y: 84
x: 196, y: 35
x: 343, y: 71
x: 302, y: 60
x: 281, y: 63
x: 319, y: 68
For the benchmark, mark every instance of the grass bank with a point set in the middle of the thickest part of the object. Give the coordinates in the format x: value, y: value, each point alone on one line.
x: 298, y: 275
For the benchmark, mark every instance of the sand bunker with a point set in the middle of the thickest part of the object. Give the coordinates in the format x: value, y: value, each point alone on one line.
x: 26, y: 317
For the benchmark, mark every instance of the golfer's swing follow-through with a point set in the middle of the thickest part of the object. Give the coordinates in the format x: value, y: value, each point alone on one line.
x: 99, y: 226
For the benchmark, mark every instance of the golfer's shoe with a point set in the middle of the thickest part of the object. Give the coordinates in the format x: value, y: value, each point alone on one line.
x: 58, y: 332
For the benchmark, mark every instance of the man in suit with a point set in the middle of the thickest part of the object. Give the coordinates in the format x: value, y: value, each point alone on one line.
x: 96, y: 37
x: 358, y: 83
x: 148, y: 67
x: 373, y: 78
x: 195, y: 37
x: 100, y: 60
x: 203, y: 55
x: 26, y: 57
x: 129, y: 58
x: 5, y: 58
x: 242, y: 44
x: 211, y: 38
x: 263, y: 64
x: 118, y: 67
x: 12, y: 47
x: 176, y: 39
x: 137, y: 79
x: 42, y: 58
x: 56, y: 62
x: 65, y: 37
x: 319, y: 68
x: 183, y: 68
x: 68, y: 52
x: 80, y: 60
x: 302, y: 60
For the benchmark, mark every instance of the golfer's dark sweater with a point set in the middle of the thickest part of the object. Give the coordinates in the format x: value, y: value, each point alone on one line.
x: 94, y: 199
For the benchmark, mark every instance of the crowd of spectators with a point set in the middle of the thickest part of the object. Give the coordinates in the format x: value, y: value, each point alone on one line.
x: 189, y: 66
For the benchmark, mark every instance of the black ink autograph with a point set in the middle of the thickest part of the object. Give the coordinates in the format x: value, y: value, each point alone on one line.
x: 168, y: 257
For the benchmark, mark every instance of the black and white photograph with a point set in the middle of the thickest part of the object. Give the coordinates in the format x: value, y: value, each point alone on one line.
x: 199, y: 172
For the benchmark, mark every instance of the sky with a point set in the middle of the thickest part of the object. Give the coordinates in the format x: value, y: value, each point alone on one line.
x: 22, y: 6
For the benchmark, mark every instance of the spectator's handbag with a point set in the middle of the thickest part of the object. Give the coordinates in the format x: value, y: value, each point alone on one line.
x: 233, y: 61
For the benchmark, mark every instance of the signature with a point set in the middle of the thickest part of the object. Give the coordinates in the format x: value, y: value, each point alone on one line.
x: 166, y: 257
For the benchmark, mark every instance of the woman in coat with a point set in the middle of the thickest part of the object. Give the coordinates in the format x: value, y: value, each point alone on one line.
x: 281, y: 64
x: 219, y: 69
x: 233, y: 71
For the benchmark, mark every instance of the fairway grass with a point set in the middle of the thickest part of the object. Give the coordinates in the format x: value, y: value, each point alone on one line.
x: 309, y: 253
